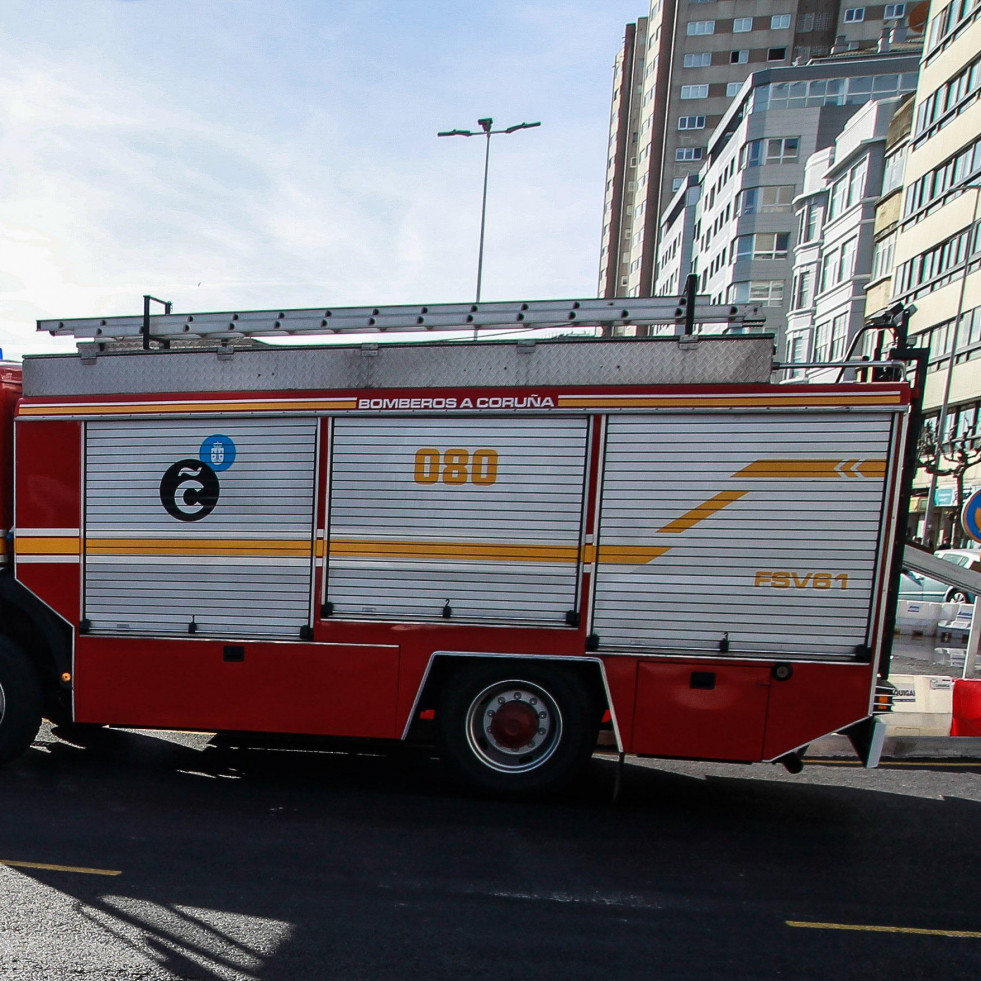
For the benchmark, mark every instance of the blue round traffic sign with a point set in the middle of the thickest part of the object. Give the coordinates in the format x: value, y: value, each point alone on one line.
x: 971, y: 516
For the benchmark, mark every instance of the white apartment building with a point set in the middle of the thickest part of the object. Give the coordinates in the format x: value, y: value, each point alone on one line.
x: 745, y: 229
x: 937, y: 248
x: 674, y: 79
x: 835, y: 219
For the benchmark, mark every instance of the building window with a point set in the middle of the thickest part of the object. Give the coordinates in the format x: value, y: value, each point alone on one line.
x: 806, y: 24
x: 939, y: 260
x: 698, y: 59
x: 761, y: 245
x: 742, y: 24
x: 829, y: 269
x: 779, y: 22
x: 892, y: 174
x: 739, y: 57
x: 809, y: 223
x: 853, y: 15
x: 839, y: 335
x: 772, y: 151
x: 894, y: 11
x: 803, y: 295
x: 768, y: 293
x: 822, y: 342
x: 797, y: 350
x: 676, y: 184
x: 732, y: 88
x: 765, y: 200
x: 848, y: 189
x: 694, y: 91
x: 765, y: 292
x: 696, y: 27
x: 935, y: 184
x: 856, y: 181
x: 829, y: 344
x: 689, y: 153
x: 776, y: 54
x: 853, y: 91
x: 882, y: 256
x: 691, y: 122
x: 847, y: 265
x: 949, y: 99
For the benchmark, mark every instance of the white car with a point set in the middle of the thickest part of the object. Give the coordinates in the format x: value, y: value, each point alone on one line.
x: 915, y: 586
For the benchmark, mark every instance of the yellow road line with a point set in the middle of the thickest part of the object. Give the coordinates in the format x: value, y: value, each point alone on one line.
x: 870, y: 928
x: 891, y: 763
x: 58, y: 868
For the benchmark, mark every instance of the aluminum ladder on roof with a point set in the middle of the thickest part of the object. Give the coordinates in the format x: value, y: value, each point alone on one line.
x: 531, y: 314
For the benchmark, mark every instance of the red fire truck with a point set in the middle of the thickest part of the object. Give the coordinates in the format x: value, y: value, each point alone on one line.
x: 521, y: 539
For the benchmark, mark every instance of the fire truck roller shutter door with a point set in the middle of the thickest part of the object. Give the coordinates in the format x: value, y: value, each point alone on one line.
x: 200, y: 526
x: 477, y: 517
x: 756, y: 531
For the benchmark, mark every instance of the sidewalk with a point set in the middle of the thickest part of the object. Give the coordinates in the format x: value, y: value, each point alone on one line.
x: 903, y: 748
x: 915, y: 655
x: 916, y: 737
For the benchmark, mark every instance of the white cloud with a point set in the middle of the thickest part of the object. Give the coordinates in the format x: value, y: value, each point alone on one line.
x: 246, y: 155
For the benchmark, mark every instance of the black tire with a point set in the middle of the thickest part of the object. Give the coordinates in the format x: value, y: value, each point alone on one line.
x: 956, y: 595
x: 20, y: 702
x: 516, y: 729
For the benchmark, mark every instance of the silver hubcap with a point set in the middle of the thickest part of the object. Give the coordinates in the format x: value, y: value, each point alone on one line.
x: 3, y: 703
x: 513, y: 726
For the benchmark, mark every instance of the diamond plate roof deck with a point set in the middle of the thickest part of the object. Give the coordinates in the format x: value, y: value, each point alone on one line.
x: 692, y: 360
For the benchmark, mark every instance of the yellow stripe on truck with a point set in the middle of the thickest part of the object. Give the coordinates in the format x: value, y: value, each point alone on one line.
x: 612, y: 554
x: 40, y: 545
x: 722, y: 401
x: 702, y: 512
x: 813, y: 469
x: 354, y: 548
x: 202, y: 546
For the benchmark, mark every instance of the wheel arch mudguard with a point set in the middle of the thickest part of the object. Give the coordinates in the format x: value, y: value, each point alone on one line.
x: 40, y: 632
x: 442, y: 664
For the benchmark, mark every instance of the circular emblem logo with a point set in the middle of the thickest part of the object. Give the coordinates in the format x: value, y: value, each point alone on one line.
x: 189, y: 490
x: 218, y: 452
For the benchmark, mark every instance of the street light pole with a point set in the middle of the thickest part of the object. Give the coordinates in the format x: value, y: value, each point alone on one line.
x: 487, y: 130
x: 942, y: 418
x: 486, y: 125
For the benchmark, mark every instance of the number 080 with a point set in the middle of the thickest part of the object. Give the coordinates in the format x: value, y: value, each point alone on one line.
x: 455, y: 466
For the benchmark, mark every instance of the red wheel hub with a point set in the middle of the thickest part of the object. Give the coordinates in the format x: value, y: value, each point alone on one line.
x: 514, y: 725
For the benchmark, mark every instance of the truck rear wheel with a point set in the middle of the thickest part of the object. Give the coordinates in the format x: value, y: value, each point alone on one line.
x: 516, y: 730
x: 20, y: 702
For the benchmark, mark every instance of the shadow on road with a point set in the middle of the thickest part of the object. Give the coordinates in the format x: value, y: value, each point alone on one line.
x: 326, y: 861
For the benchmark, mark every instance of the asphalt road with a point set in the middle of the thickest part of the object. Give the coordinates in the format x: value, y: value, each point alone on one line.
x: 138, y: 856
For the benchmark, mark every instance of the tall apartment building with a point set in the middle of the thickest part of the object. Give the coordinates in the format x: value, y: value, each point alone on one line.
x: 744, y: 225
x: 674, y: 79
x: 835, y: 217
x: 937, y: 244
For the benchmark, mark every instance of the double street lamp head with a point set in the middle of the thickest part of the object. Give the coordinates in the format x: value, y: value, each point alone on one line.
x: 486, y: 128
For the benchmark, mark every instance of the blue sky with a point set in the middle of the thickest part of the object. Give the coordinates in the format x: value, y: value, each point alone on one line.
x: 249, y: 154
